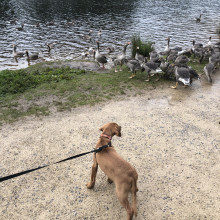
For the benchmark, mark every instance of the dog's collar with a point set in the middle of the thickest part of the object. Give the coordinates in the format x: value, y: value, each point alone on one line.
x: 105, y: 135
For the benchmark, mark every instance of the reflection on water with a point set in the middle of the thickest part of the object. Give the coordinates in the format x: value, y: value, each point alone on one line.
x: 119, y: 20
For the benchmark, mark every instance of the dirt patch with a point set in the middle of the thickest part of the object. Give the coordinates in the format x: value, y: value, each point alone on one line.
x: 170, y: 136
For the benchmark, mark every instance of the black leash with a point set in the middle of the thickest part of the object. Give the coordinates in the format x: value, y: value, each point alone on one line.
x: 2, y: 179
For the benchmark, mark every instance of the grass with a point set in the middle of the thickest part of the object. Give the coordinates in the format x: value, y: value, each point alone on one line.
x: 39, y: 90
x: 36, y: 90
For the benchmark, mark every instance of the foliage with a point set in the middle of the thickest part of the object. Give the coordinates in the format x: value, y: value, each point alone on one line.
x: 13, y: 82
x: 144, y: 47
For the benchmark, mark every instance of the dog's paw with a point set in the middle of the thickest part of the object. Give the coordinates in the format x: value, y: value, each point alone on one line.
x: 89, y: 185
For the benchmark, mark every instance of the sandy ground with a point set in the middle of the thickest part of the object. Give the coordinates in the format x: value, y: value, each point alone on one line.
x: 171, y: 137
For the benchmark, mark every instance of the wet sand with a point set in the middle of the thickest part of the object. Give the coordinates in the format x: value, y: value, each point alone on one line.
x: 171, y: 137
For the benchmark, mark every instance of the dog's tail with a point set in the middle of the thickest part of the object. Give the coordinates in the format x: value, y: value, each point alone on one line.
x: 134, y: 190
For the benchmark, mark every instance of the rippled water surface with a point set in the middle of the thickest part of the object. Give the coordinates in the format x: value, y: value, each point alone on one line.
x: 119, y: 20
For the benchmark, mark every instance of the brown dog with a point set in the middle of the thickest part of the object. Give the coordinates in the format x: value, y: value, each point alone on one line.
x: 116, y: 168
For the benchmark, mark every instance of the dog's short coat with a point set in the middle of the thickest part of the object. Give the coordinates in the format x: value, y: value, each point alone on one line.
x: 116, y: 168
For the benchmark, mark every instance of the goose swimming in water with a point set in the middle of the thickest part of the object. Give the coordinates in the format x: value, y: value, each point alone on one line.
x: 100, y: 58
x: 20, y: 28
x: 32, y: 56
x: 15, y: 53
x: 50, y: 46
x: 198, y: 19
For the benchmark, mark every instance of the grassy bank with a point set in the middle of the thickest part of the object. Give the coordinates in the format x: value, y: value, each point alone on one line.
x: 39, y: 91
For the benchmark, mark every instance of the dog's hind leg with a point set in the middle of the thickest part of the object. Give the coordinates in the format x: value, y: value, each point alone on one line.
x: 122, y: 195
x: 91, y: 184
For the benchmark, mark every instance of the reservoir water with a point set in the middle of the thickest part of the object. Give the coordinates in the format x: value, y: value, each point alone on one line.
x: 66, y: 25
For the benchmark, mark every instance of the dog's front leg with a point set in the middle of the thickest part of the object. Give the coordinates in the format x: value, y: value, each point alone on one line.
x: 91, y: 184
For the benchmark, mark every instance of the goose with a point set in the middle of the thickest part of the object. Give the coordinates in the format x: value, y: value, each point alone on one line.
x: 17, y: 54
x: 209, y: 44
x: 14, y: 21
x: 110, y: 49
x: 139, y: 56
x: 172, y: 57
x: 100, y: 32
x: 133, y: 65
x: 198, y: 19
x: 91, y: 51
x: 167, y: 48
x: 209, y: 69
x: 164, y: 65
x: 20, y: 28
x: 70, y: 23
x: 88, y: 37
x: 119, y: 59
x: 50, y: 46
x: 182, y: 75
x: 214, y: 58
x: 32, y: 56
x: 151, y: 68
x: 84, y: 55
x: 154, y: 56
x: 50, y: 23
x: 181, y: 61
x: 100, y: 58
x: 198, y: 50
x: 37, y: 25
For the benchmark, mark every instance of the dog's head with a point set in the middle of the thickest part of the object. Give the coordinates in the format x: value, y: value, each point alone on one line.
x: 111, y: 129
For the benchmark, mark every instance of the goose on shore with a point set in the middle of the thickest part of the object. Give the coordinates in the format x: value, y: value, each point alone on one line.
x: 133, y: 65
x: 209, y: 69
x: 100, y: 58
x: 119, y: 59
x: 151, y: 68
x: 139, y: 56
x: 182, y: 75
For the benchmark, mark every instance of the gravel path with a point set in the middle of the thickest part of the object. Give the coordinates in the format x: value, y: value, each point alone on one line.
x: 171, y: 137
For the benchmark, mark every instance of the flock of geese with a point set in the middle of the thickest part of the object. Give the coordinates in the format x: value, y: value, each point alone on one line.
x: 172, y: 62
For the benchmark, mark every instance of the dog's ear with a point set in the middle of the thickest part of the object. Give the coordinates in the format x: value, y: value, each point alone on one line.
x: 117, y: 130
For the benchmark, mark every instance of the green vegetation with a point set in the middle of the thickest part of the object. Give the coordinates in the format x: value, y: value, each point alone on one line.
x: 40, y: 90
x: 37, y: 89
x: 144, y: 47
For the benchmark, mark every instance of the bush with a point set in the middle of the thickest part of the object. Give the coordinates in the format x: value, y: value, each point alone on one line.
x: 144, y: 47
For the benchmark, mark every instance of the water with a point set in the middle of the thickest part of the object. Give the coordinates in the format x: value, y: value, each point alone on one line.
x: 119, y: 20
